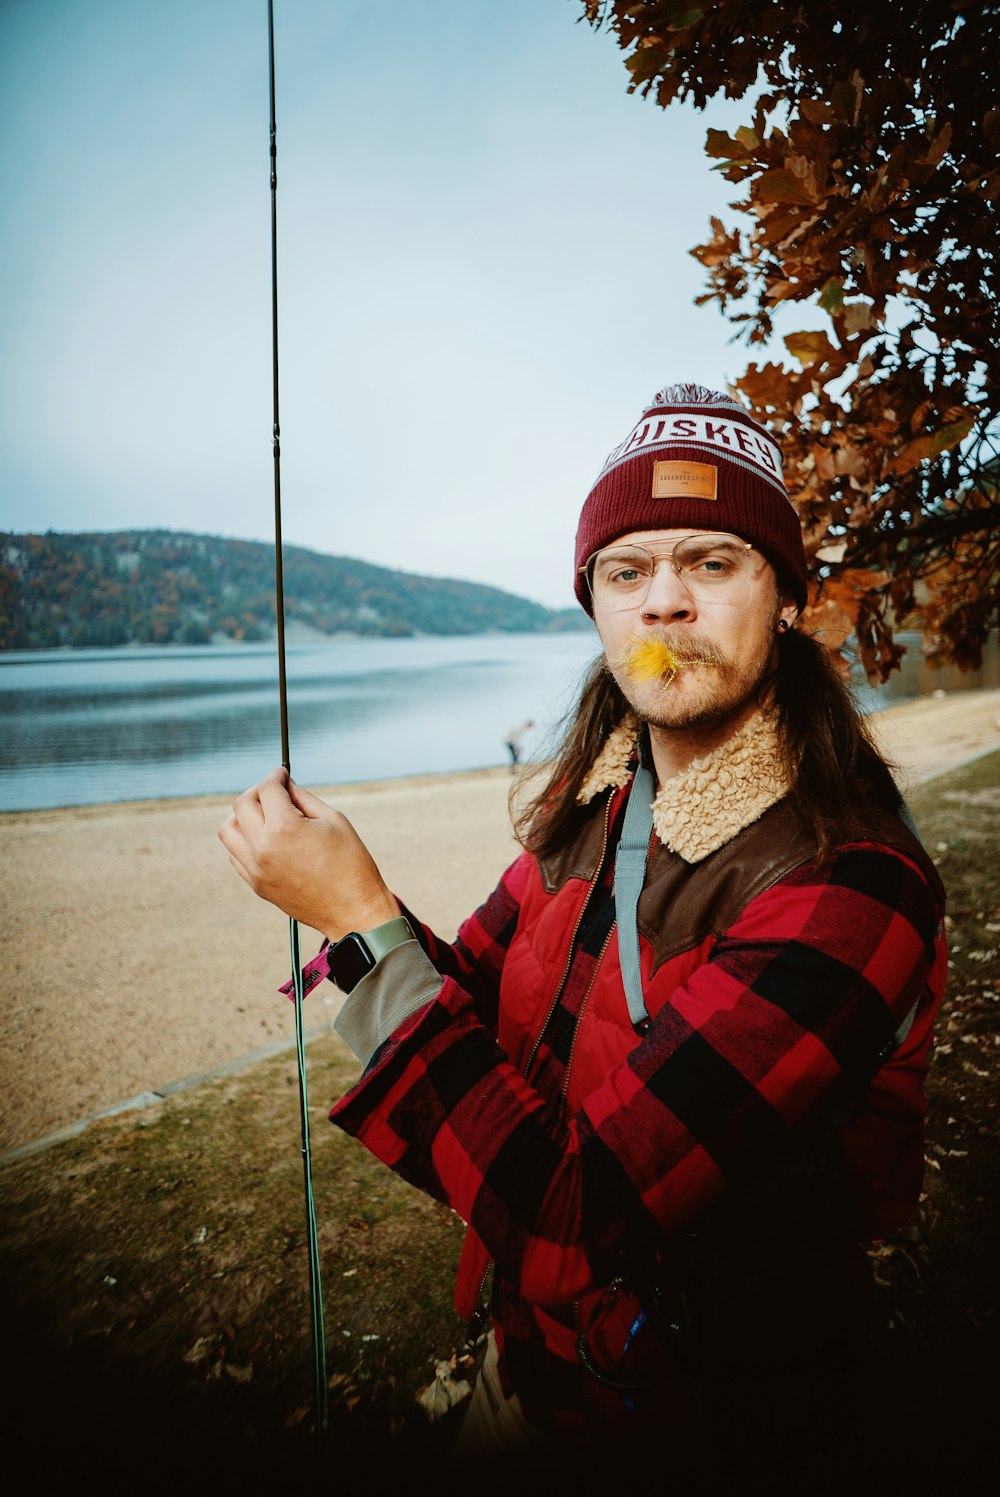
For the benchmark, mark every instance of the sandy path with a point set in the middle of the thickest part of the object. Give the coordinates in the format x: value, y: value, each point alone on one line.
x: 133, y: 956
x: 935, y: 733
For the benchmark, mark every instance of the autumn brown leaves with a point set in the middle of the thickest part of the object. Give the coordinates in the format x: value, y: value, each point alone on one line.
x: 869, y: 176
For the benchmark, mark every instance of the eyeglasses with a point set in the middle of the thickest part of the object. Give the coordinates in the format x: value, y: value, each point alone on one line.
x: 713, y: 568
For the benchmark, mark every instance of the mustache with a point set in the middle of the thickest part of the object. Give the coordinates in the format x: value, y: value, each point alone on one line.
x: 660, y: 657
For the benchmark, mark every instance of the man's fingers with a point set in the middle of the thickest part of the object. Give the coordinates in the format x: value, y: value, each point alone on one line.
x: 274, y: 798
x: 277, y: 797
x: 232, y: 839
x: 240, y: 869
x: 235, y: 843
x: 266, y: 799
x: 247, y: 810
x: 310, y: 805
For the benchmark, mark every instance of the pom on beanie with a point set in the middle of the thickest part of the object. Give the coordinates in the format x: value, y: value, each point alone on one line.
x: 695, y: 459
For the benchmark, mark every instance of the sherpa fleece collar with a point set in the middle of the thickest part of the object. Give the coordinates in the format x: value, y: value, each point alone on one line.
x: 716, y: 797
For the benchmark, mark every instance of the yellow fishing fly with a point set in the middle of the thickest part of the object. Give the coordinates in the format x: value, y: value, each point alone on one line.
x: 651, y: 660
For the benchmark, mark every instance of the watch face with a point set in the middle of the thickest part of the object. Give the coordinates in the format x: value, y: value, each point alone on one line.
x: 350, y: 961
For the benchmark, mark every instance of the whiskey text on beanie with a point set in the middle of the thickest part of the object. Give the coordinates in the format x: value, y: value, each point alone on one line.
x: 695, y: 459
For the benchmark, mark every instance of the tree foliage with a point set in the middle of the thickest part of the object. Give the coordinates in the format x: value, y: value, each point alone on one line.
x: 869, y: 174
x: 168, y: 587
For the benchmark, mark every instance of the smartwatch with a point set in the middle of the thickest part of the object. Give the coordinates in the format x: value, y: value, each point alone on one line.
x: 352, y: 958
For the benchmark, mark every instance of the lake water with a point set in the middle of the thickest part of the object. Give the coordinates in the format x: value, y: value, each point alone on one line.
x: 86, y: 726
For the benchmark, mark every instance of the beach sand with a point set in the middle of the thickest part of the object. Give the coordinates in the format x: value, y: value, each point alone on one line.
x: 134, y: 957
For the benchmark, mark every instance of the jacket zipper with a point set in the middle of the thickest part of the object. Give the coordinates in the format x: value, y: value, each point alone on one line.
x: 577, y: 1319
x: 577, y: 1322
x: 583, y: 1004
x: 572, y: 942
x: 481, y: 1314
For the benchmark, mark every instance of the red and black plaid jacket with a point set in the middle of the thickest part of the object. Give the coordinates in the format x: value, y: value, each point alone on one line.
x: 523, y: 1099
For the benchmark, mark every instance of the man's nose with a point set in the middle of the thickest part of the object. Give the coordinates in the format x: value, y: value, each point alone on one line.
x: 666, y: 596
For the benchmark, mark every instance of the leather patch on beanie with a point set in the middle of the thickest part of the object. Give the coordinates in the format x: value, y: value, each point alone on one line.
x: 685, y: 481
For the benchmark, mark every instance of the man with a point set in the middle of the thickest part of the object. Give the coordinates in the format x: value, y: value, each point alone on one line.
x: 514, y: 742
x: 670, y: 1099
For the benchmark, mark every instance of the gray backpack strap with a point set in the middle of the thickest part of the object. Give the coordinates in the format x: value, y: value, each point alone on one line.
x: 906, y: 817
x: 906, y: 1023
x: 904, y: 1026
x: 630, y: 875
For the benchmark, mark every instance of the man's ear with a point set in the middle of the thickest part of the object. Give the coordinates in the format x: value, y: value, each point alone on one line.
x: 788, y: 612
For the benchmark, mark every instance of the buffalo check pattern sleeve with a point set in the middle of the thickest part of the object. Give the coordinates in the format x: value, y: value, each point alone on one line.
x: 475, y: 959
x: 793, y: 1005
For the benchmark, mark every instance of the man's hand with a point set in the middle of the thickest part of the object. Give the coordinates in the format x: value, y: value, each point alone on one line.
x: 300, y: 854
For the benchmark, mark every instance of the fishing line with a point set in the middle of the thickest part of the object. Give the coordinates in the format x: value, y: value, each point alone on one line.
x: 315, y: 1279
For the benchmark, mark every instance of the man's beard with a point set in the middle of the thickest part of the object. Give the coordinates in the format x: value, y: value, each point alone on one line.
x: 722, y: 690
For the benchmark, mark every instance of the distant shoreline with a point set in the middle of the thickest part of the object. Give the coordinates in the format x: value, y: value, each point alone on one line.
x: 124, y: 588
x: 295, y: 634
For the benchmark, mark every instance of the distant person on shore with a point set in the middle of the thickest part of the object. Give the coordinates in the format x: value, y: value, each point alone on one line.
x: 515, y: 741
x: 671, y: 1071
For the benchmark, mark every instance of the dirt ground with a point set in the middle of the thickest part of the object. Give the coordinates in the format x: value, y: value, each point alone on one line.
x: 154, y: 1266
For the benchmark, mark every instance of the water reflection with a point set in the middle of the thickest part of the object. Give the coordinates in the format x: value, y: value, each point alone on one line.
x: 915, y: 678
x: 89, y: 726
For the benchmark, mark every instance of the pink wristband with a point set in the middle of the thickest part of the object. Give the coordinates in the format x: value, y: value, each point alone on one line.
x: 312, y: 973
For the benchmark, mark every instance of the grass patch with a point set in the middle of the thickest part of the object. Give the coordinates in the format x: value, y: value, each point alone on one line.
x: 155, y: 1277
x: 936, y: 1333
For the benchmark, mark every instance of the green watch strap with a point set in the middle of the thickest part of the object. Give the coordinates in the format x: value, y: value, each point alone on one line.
x: 383, y: 938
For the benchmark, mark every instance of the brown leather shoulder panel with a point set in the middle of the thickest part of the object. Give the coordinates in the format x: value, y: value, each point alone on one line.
x: 582, y: 857
x: 683, y: 903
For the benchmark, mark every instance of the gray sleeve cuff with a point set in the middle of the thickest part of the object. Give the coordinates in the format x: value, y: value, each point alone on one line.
x: 403, y: 981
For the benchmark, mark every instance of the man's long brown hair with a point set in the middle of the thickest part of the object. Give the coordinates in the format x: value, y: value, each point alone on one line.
x: 836, y: 773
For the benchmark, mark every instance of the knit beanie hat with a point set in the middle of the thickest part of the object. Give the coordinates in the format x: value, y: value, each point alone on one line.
x: 695, y: 459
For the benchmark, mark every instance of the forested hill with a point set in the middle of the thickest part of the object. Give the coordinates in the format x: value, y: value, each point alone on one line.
x: 170, y: 587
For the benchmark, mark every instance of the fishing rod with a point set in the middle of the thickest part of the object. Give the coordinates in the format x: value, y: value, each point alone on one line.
x: 315, y: 1278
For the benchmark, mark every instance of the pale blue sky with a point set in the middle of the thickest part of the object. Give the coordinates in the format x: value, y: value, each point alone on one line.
x: 484, y: 271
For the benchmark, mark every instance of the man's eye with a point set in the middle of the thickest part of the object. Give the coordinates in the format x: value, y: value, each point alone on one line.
x: 713, y: 566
